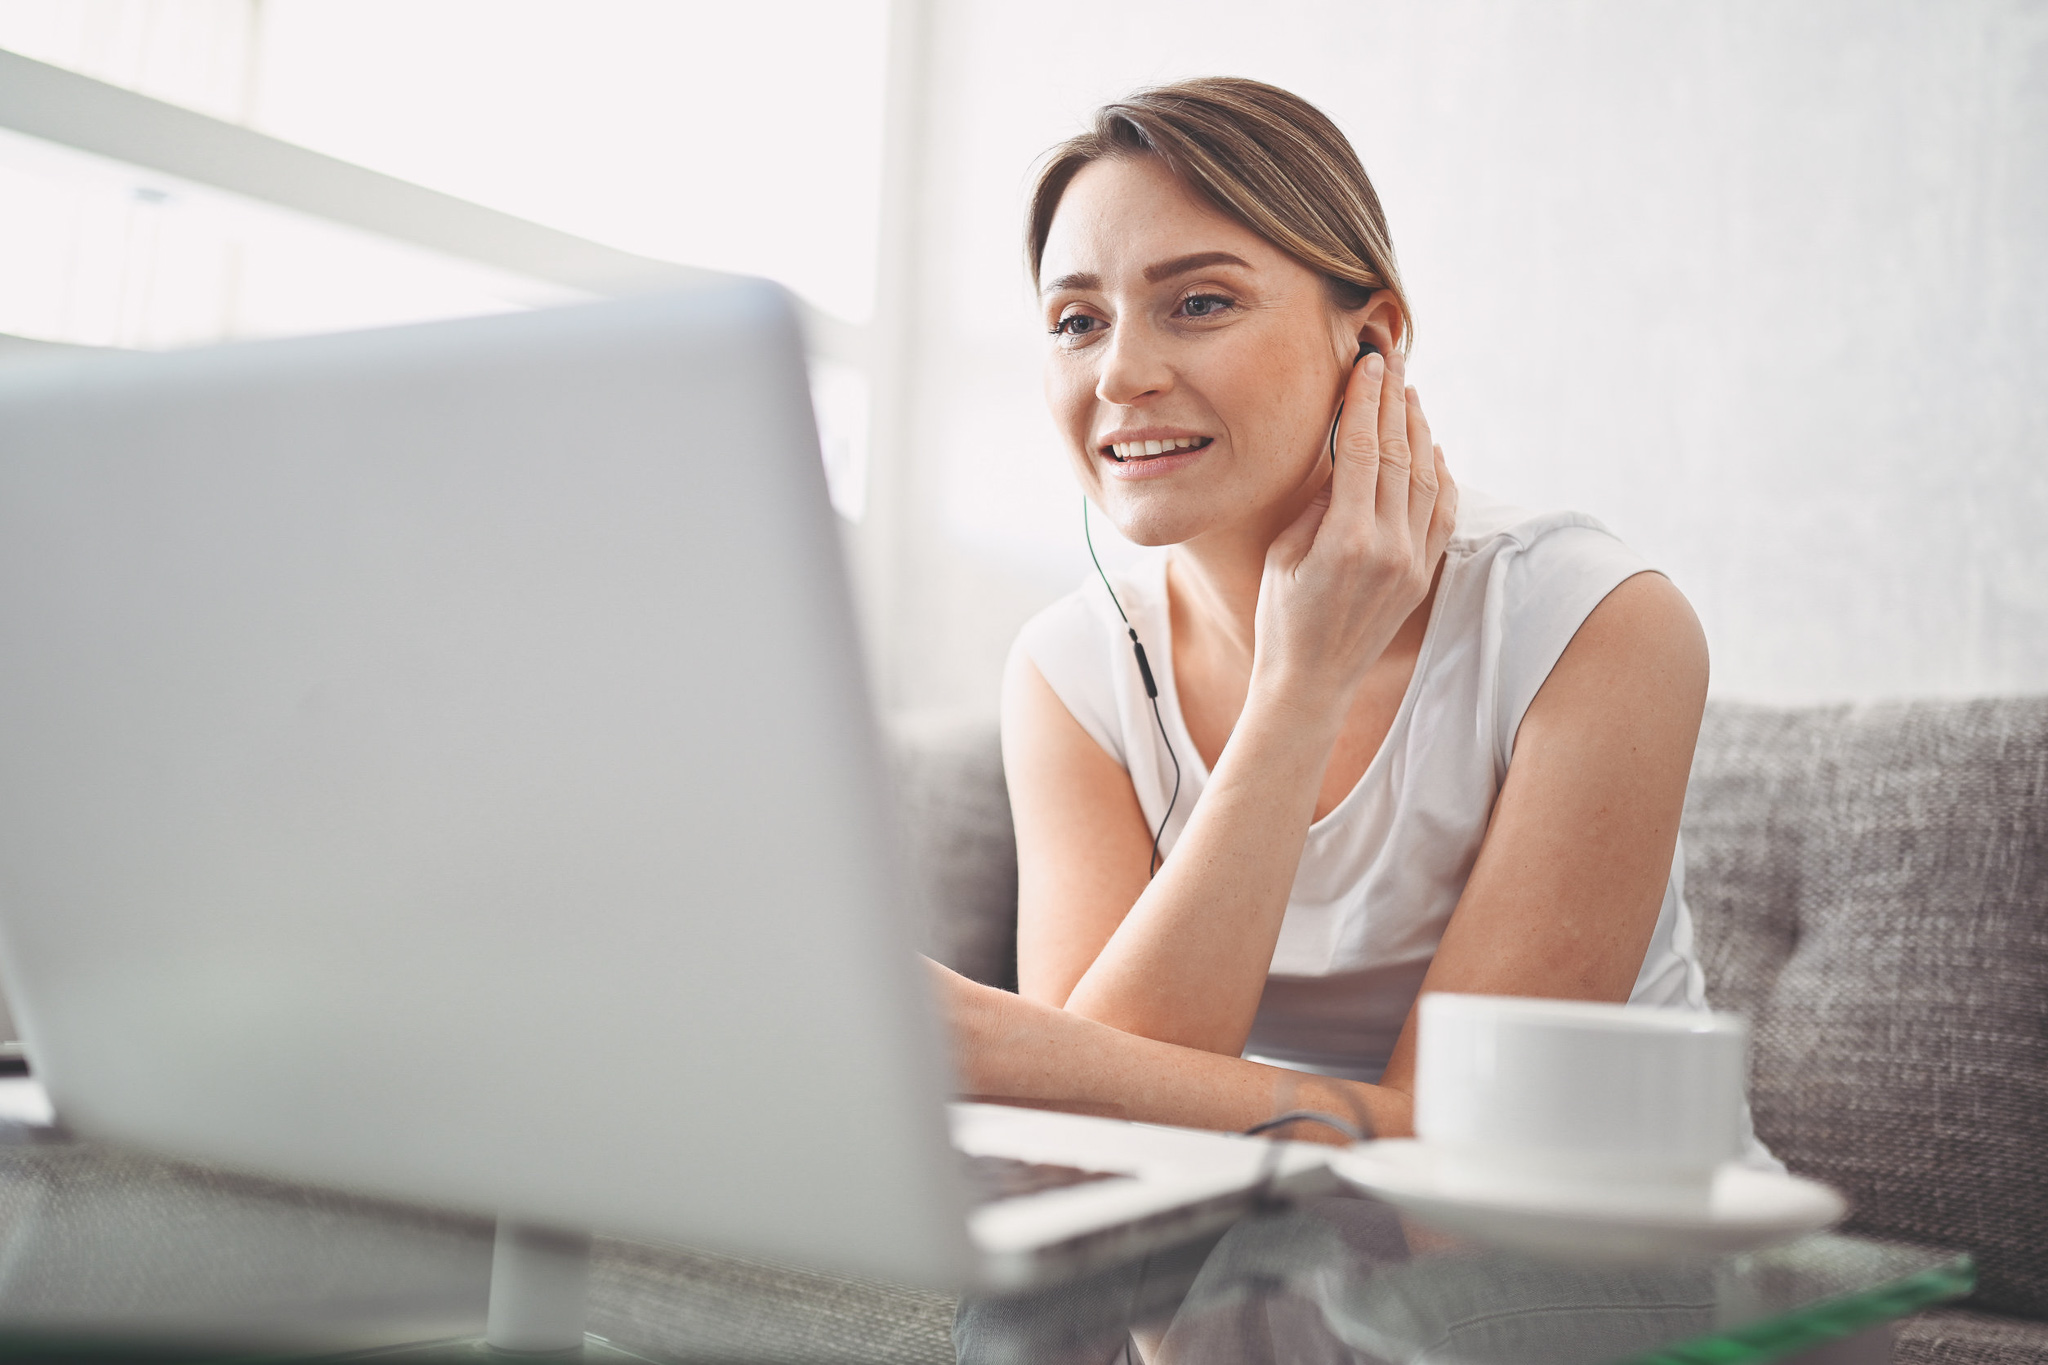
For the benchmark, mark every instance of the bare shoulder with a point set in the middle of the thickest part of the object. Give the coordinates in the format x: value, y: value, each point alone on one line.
x: 1040, y: 735
x: 1640, y: 651
x: 1646, y: 612
x: 1054, y: 767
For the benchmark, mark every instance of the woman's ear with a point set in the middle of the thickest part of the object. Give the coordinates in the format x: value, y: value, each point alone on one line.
x: 1379, y: 323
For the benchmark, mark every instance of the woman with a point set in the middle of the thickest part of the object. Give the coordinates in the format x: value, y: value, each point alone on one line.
x: 1404, y: 740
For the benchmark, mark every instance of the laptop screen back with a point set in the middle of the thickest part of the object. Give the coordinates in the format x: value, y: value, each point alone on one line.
x: 437, y: 762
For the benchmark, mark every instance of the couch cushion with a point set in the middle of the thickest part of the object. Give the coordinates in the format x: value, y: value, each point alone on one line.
x: 1961, y: 1337
x: 956, y: 828
x: 1871, y: 888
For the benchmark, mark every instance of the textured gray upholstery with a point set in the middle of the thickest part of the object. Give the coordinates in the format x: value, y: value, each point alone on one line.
x: 956, y: 823
x: 671, y: 1304
x: 1871, y: 889
x: 116, y: 1244
x: 1960, y: 1337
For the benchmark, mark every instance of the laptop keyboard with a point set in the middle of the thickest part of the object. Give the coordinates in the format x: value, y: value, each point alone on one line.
x: 994, y: 1178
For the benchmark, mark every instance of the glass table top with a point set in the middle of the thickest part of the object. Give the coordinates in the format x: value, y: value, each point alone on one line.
x: 107, y: 1254
x: 1347, y: 1279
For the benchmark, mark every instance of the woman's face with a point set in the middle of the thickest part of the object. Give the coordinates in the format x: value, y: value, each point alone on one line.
x: 1194, y: 367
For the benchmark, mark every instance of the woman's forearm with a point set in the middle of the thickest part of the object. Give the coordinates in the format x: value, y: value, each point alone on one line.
x: 1188, y: 964
x: 1011, y: 1048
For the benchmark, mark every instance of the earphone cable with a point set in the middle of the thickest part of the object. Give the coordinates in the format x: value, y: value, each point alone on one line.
x: 1151, y: 691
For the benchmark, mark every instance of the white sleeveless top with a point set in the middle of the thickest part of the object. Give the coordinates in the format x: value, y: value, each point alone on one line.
x: 1381, y: 873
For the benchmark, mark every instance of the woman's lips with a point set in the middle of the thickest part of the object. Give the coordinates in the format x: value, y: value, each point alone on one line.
x: 1140, y: 462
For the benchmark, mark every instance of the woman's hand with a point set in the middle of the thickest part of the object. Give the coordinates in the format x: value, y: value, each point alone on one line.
x: 1340, y: 581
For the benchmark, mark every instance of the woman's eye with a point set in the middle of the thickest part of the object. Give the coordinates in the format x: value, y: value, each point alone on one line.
x: 1076, y: 324
x: 1204, y: 305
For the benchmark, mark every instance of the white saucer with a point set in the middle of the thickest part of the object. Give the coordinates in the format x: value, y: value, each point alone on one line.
x: 1749, y: 1209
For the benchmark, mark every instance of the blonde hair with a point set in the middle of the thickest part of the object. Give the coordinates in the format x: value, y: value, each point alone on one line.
x: 1265, y: 157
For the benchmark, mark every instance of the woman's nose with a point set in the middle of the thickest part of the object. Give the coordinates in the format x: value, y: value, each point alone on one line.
x: 1133, y: 368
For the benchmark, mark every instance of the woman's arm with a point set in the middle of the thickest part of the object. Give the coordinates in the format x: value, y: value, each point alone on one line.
x: 1015, y: 1049
x: 1183, y: 958
x: 1083, y: 850
x: 1567, y: 887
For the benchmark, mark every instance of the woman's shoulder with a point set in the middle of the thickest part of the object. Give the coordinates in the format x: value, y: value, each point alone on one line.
x: 1079, y: 644
x: 1489, y: 526
x: 1089, y: 618
x: 1548, y: 561
x: 1531, y: 578
x: 1079, y: 621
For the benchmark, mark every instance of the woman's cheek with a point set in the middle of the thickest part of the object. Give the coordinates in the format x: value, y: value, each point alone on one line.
x: 1069, y: 398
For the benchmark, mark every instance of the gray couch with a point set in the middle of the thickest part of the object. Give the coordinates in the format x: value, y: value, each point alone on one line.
x: 1871, y: 889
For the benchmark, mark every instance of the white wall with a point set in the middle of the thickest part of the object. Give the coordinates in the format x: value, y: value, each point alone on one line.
x: 1765, y: 286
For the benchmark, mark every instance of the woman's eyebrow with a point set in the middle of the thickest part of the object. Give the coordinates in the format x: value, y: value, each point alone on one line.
x: 1179, y: 265
x: 1083, y: 280
x: 1200, y: 260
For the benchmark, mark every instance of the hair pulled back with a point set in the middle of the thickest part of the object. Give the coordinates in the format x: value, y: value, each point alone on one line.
x: 1265, y: 157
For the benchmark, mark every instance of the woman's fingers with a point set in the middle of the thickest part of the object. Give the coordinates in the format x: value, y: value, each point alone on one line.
x: 1343, y: 577
x: 1396, y: 462
x: 1443, y: 518
x: 1423, y: 475
x: 1374, y: 463
x: 1389, y: 475
x: 1292, y: 545
x: 1358, y: 444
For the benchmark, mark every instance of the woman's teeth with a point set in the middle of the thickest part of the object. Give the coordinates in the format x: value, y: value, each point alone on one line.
x: 1131, y: 450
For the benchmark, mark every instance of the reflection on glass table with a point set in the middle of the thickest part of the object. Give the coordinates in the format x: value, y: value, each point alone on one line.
x: 110, y: 1255
x: 1345, y: 1279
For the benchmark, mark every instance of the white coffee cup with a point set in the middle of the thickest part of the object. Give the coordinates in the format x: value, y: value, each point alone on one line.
x: 1619, y: 1107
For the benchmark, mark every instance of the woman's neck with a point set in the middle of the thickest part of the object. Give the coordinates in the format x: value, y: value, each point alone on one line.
x: 1213, y: 592
x: 1213, y: 603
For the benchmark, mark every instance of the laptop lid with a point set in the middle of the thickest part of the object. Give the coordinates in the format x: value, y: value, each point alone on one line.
x: 437, y: 761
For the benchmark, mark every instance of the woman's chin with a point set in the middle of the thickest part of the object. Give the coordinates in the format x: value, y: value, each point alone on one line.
x: 1174, y: 511
x: 1153, y: 522
x: 1154, y: 539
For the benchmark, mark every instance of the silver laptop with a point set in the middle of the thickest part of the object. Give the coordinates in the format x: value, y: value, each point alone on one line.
x: 436, y: 762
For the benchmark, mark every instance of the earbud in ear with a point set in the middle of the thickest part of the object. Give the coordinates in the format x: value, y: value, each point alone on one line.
x: 1365, y: 348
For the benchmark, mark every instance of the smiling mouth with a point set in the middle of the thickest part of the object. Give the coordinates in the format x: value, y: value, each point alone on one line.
x: 1127, y: 452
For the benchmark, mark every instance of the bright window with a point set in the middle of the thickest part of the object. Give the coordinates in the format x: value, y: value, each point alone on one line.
x: 742, y: 138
